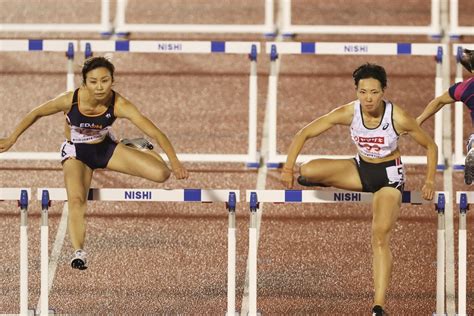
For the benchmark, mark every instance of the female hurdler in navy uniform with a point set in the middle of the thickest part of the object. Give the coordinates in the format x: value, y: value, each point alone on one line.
x: 90, y: 112
x: 375, y: 128
x: 460, y: 91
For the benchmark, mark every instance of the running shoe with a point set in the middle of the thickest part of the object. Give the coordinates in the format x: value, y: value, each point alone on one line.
x: 139, y: 143
x: 79, y: 261
x: 304, y: 182
x: 378, y: 311
x: 469, y: 167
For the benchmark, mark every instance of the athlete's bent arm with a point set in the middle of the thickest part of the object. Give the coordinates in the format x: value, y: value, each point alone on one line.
x: 125, y: 109
x: 405, y: 123
x: 434, y: 106
x: 339, y: 116
x: 62, y: 103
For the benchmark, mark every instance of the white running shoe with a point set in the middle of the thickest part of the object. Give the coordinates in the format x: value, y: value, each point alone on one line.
x: 139, y: 143
x: 79, y: 261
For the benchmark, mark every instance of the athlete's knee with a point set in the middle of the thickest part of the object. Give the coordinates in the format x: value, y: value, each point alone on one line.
x: 77, y: 202
x: 305, y: 170
x: 77, y: 208
x: 380, y: 236
x: 161, y: 175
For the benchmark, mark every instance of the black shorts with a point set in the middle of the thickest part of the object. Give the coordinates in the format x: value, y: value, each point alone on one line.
x: 375, y: 176
x: 95, y: 156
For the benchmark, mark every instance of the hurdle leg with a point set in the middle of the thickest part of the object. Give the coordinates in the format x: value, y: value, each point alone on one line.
x: 462, y: 258
x: 253, y: 255
x: 23, y: 203
x: 458, y: 122
x: 438, y: 133
x: 231, y: 256
x: 272, y: 109
x: 45, y: 203
x: 440, y: 266
x: 70, y: 68
x: 253, y: 160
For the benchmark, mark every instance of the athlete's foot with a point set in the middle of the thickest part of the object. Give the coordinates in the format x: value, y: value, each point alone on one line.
x: 79, y: 261
x: 304, y: 182
x: 138, y: 143
x: 469, y: 167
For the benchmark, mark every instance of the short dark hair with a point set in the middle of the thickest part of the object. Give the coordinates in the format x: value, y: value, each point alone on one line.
x: 467, y: 59
x: 92, y: 63
x: 369, y: 70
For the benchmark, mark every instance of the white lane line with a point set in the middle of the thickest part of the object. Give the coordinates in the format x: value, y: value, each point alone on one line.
x: 56, y: 252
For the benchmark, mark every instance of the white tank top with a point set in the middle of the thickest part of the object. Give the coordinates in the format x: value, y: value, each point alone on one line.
x: 378, y: 142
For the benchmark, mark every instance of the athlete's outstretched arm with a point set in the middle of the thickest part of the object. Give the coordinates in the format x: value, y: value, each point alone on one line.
x: 62, y: 103
x: 125, y: 109
x: 404, y: 123
x: 434, y: 106
x: 339, y: 116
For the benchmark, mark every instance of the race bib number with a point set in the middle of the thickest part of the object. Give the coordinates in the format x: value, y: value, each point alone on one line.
x: 396, y: 173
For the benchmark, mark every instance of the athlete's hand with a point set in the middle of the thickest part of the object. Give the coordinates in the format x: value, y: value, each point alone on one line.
x: 287, y: 177
x: 5, y: 144
x: 179, y: 171
x: 428, y: 190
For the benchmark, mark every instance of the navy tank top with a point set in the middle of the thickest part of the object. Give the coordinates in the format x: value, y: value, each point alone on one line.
x: 90, y: 128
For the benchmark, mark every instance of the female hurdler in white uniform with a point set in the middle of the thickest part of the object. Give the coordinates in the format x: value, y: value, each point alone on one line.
x: 375, y: 126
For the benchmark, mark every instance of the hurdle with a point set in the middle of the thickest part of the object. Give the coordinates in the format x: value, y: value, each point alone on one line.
x: 230, y: 197
x: 455, y: 30
x: 38, y: 45
x: 463, y: 199
x: 289, y: 29
x: 122, y: 28
x: 197, y: 47
x: 255, y: 197
x: 274, y: 49
x: 104, y: 27
x: 22, y: 195
x: 459, y: 143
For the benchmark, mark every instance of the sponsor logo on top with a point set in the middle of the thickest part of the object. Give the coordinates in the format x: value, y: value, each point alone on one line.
x: 169, y: 47
x: 352, y: 196
x: 356, y: 48
x: 138, y: 195
x: 90, y: 125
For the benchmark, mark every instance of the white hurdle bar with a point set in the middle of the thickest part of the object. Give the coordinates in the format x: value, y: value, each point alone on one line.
x: 254, y: 197
x: 368, y: 49
x: 463, y: 199
x: 230, y: 197
x: 22, y: 195
x: 104, y: 27
x: 123, y: 28
x: 459, y: 142
x: 289, y: 29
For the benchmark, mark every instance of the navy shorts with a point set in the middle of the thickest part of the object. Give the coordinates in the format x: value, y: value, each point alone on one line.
x: 95, y: 156
x: 375, y: 176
